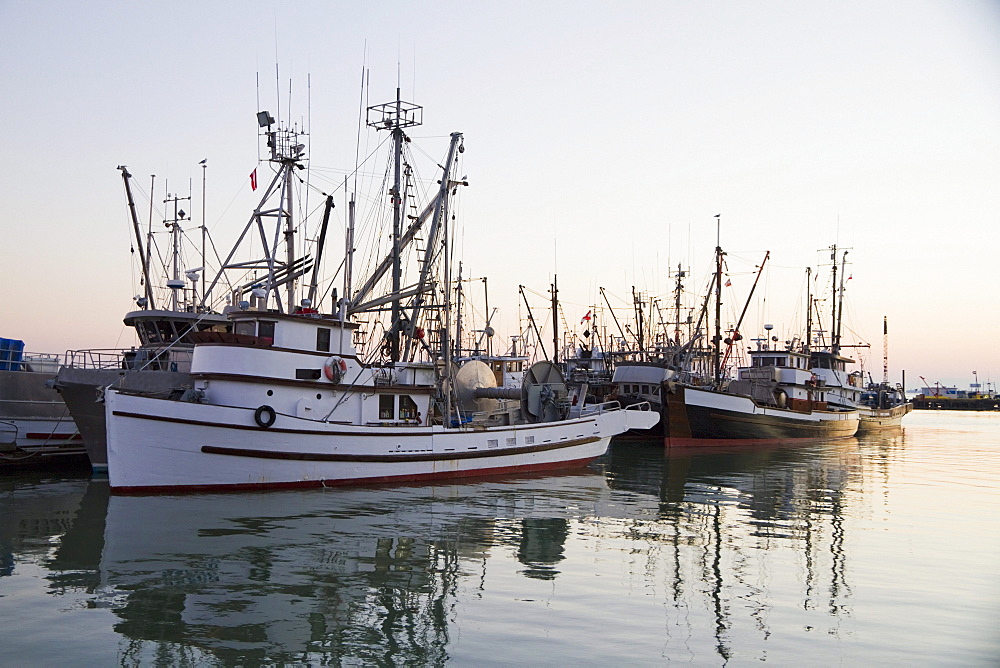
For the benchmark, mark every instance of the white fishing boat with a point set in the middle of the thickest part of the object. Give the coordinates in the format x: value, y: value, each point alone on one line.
x: 285, y: 399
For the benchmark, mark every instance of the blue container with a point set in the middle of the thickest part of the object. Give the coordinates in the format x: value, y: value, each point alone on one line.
x: 10, y: 354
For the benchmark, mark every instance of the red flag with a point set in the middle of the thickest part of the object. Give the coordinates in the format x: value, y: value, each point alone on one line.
x: 585, y: 318
x: 253, y: 180
x: 729, y: 283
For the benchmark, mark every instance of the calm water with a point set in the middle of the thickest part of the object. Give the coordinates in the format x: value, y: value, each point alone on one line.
x: 879, y: 550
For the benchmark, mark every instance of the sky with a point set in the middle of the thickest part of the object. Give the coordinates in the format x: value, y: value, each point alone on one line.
x: 602, y: 139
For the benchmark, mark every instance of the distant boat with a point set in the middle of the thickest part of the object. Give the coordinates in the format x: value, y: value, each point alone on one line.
x: 883, y: 405
x: 285, y: 399
x: 790, y: 393
x: 782, y: 395
x: 36, y: 428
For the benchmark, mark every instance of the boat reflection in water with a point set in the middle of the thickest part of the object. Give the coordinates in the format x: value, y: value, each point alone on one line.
x: 369, y: 574
x: 711, y: 557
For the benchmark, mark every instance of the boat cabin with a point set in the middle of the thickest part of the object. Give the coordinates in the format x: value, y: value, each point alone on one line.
x: 508, y: 370
x: 641, y: 379
x: 305, y: 364
x: 785, y: 359
x: 157, y: 328
x: 827, y: 360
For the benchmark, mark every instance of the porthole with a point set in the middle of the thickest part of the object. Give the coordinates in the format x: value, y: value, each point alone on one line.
x: 270, y: 393
x: 319, y: 396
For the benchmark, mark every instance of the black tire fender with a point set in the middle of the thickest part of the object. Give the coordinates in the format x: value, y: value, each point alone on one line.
x: 264, y: 416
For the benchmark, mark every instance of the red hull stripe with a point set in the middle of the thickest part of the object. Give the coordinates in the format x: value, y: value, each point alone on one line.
x: 393, y: 457
x: 439, y: 475
x: 64, y: 437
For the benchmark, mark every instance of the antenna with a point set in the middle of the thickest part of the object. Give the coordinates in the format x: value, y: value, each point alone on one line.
x: 361, y: 112
x: 204, y: 228
x: 277, y: 81
x: 885, y: 349
x: 258, y: 115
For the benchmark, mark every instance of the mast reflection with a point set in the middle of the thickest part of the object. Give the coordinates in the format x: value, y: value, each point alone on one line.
x: 734, y: 520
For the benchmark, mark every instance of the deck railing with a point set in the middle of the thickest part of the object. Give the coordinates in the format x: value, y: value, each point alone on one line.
x: 17, y: 360
x: 137, y: 359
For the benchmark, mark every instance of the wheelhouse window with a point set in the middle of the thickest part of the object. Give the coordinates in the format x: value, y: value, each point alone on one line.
x: 323, y: 339
x: 167, y: 333
x: 407, y: 408
x: 265, y: 330
x: 149, y: 332
x: 386, y: 406
x: 246, y: 327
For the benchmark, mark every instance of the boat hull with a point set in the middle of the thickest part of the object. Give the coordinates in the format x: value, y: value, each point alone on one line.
x: 157, y: 445
x: 873, y: 419
x: 82, y: 390
x: 35, y: 425
x: 694, y: 416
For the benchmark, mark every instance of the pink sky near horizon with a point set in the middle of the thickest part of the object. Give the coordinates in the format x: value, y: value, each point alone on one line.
x: 601, y: 141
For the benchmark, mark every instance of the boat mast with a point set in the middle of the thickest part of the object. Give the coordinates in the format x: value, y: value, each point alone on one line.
x: 488, y: 330
x: 397, y: 212
x: 138, y: 236
x: 433, y: 251
x: 840, y: 306
x: 459, y: 292
x: 637, y: 306
x: 175, y: 282
x: 289, y: 155
x: 717, y: 338
x: 809, y: 318
x: 885, y: 350
x: 204, y: 228
x: 555, y: 320
x: 289, y: 234
x: 677, y: 304
x: 833, y: 306
x: 395, y: 116
x: 314, y: 283
x: 349, y: 251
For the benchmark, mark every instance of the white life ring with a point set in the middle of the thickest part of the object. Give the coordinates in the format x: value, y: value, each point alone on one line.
x: 334, y: 369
